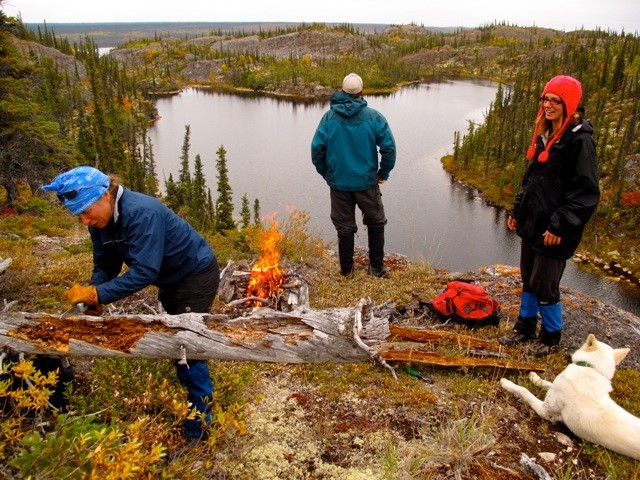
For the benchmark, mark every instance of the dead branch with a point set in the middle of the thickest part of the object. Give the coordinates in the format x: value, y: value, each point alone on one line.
x: 242, y: 301
x: 414, y: 352
x: 437, y: 336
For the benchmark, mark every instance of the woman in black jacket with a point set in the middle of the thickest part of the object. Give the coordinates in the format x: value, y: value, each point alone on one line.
x: 559, y: 194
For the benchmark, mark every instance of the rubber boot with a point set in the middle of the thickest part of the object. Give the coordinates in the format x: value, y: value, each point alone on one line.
x: 376, y: 251
x: 524, y: 330
x: 345, y: 253
x: 550, y: 332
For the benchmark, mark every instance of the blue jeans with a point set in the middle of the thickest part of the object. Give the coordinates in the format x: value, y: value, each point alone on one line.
x: 195, y: 294
x: 197, y: 380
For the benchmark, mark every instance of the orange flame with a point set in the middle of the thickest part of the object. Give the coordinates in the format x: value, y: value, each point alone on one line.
x: 266, y: 274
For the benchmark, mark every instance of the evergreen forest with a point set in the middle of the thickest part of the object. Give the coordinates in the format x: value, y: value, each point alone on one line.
x: 65, y: 104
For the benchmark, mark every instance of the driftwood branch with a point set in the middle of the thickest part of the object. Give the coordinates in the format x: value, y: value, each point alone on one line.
x: 303, y: 335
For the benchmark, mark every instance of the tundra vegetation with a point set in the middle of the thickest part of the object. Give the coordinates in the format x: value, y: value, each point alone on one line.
x: 63, y: 104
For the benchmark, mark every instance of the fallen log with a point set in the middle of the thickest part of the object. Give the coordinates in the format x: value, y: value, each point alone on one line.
x: 304, y: 335
x: 266, y: 335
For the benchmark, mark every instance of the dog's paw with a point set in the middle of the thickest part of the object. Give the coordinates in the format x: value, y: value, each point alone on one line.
x: 508, y: 385
x: 534, y: 378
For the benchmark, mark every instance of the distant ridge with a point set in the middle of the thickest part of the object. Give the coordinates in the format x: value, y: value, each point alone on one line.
x: 112, y: 34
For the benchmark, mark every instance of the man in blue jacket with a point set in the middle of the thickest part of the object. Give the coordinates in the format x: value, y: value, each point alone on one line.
x: 344, y: 151
x: 159, y: 248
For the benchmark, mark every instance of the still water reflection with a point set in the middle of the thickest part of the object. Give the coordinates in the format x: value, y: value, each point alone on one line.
x: 431, y: 218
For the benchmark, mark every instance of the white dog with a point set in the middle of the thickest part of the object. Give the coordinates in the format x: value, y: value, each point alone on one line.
x: 579, y: 397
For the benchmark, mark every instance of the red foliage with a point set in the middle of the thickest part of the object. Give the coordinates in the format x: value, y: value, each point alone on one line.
x: 6, y: 210
x: 631, y: 199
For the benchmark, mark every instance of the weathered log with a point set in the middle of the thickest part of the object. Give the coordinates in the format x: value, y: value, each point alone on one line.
x: 266, y: 335
x: 304, y: 335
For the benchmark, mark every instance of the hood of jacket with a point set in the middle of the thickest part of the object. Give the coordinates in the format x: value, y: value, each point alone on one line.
x: 344, y: 104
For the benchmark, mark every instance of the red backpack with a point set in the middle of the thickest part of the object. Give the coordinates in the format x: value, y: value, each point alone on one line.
x: 468, y: 303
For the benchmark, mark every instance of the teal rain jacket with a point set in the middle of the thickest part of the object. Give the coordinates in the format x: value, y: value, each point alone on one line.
x: 344, y: 149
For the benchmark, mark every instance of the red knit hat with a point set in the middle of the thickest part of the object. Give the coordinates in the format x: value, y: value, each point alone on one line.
x: 570, y: 91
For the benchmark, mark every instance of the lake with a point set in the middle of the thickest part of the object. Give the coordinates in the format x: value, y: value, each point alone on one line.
x: 431, y: 218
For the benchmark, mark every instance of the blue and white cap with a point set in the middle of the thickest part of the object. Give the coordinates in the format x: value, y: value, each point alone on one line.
x: 79, y: 188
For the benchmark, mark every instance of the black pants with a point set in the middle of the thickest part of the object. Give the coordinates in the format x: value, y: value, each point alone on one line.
x: 541, y: 274
x: 343, y: 209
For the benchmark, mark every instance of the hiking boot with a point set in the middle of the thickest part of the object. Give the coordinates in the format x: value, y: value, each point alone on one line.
x: 515, y: 338
x: 524, y: 330
x: 540, y: 350
x: 382, y: 272
x: 548, y: 343
x: 347, y: 273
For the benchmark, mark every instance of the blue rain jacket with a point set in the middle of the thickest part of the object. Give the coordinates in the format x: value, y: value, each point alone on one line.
x: 158, y: 246
x: 344, y: 149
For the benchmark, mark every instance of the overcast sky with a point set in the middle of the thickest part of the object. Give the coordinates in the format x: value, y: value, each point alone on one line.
x: 559, y: 14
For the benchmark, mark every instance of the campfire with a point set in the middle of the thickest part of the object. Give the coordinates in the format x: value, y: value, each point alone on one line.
x: 266, y: 275
x: 266, y: 283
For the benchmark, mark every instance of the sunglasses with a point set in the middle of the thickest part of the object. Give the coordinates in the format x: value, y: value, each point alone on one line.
x: 71, y: 194
x: 552, y: 101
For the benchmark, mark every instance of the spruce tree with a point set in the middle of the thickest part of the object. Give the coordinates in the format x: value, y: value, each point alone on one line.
x: 172, y: 194
x: 245, y: 213
x: 149, y: 167
x: 224, y: 203
x: 256, y: 212
x: 199, y: 214
x: 184, y: 176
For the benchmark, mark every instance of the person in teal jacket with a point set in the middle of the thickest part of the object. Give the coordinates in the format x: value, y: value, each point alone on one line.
x: 158, y: 247
x: 344, y: 150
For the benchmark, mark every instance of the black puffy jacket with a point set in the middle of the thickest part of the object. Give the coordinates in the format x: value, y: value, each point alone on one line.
x: 561, y: 194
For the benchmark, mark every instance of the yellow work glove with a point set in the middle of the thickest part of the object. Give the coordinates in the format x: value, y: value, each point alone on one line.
x: 78, y: 293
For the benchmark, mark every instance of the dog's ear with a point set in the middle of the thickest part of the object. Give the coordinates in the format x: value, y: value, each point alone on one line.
x: 619, y: 354
x: 591, y: 343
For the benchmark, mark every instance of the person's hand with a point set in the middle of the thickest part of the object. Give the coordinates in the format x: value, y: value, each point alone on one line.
x: 78, y: 293
x: 512, y: 223
x: 550, y: 239
x: 381, y: 181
